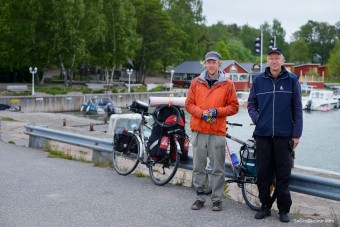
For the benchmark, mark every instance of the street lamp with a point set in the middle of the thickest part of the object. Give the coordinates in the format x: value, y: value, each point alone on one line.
x: 33, y: 71
x: 172, y: 74
x: 129, y: 71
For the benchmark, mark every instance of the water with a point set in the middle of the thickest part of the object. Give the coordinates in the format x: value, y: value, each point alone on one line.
x: 319, y: 144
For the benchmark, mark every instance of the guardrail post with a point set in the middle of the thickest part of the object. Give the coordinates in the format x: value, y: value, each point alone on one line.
x: 37, y: 142
x: 101, y: 158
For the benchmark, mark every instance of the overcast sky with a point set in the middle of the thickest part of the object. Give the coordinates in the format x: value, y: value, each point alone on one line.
x: 292, y: 14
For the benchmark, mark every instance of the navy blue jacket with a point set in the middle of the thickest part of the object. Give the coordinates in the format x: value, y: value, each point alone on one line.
x: 275, y: 104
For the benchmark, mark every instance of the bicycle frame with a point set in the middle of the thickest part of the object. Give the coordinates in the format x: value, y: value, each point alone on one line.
x: 143, y: 156
x: 228, y: 154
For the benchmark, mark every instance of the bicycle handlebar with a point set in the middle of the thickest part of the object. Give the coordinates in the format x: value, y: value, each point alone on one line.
x: 135, y: 110
x: 234, y: 124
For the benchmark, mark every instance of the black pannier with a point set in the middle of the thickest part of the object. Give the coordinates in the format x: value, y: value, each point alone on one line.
x: 160, y: 138
x: 123, y: 141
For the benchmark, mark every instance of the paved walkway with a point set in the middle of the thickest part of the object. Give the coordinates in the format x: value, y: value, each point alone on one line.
x: 39, y: 191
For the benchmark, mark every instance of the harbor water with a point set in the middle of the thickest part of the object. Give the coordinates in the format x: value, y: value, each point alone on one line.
x: 319, y: 145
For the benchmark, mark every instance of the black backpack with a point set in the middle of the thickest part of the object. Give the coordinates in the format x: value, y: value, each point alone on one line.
x: 161, y: 138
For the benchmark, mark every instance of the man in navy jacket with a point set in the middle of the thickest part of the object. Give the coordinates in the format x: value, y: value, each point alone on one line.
x: 275, y: 107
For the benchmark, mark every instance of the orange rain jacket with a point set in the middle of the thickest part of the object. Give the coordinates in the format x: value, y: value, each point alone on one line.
x: 221, y: 96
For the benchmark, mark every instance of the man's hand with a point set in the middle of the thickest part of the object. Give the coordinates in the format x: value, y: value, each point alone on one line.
x: 210, y: 120
x: 295, y: 142
x: 209, y: 115
x: 212, y: 112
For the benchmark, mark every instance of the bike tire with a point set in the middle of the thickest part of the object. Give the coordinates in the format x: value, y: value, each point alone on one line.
x: 251, y: 194
x: 158, y: 110
x: 162, y: 172
x: 125, y: 163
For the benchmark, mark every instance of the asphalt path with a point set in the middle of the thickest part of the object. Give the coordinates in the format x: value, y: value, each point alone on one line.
x: 39, y: 191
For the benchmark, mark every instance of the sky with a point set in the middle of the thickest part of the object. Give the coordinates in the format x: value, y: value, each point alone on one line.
x: 292, y: 14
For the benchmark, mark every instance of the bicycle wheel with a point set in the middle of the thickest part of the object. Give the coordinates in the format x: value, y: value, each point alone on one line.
x: 251, y: 194
x: 161, y: 172
x: 126, y: 162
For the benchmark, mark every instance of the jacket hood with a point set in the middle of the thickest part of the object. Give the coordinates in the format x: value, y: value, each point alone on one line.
x: 221, y: 75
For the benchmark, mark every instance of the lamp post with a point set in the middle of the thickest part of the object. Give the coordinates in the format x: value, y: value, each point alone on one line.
x: 172, y: 74
x: 129, y: 71
x: 33, y: 71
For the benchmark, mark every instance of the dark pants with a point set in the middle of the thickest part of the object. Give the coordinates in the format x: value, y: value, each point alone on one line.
x: 273, y: 158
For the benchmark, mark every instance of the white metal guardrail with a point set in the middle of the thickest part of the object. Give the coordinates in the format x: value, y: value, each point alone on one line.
x: 300, y: 182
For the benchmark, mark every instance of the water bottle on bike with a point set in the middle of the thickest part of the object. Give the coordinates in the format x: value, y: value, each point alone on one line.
x: 234, y: 159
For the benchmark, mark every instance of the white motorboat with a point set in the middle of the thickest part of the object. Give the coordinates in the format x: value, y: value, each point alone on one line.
x: 322, y: 100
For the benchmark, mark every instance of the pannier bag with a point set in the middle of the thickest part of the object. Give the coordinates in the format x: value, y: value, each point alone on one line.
x: 160, y: 140
x: 123, y: 142
x: 248, y: 160
x: 154, y: 142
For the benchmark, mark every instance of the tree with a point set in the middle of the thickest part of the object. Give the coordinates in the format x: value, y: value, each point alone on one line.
x: 222, y: 49
x: 154, y: 27
x: 186, y: 15
x: 248, y: 35
x: 69, y: 44
x: 239, y: 52
x: 299, y: 52
x: 6, y: 49
x: 120, y: 40
x: 333, y: 64
x: 320, y: 38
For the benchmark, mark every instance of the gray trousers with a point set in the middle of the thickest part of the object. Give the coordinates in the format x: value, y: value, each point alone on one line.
x: 214, y: 147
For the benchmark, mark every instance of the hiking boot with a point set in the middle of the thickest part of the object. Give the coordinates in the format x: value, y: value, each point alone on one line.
x: 197, y: 205
x: 217, y: 206
x: 284, y: 217
x: 263, y: 213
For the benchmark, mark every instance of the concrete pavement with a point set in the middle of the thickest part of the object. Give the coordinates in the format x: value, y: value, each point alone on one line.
x: 39, y: 191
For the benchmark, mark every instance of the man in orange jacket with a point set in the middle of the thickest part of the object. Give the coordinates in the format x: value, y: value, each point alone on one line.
x: 210, y: 99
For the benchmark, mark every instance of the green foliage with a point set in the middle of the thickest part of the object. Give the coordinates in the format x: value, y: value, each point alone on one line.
x: 114, y: 90
x: 221, y: 48
x: 139, y: 89
x: 11, y: 142
x: 7, y: 119
x: 334, y: 62
x: 155, y: 34
x: 159, y: 88
x: 141, y: 174
x: 58, y: 90
x: 320, y: 38
x: 299, y: 52
x: 238, y: 51
x: 59, y: 154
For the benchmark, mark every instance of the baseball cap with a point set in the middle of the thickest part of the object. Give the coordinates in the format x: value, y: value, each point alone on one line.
x: 212, y: 55
x: 274, y: 50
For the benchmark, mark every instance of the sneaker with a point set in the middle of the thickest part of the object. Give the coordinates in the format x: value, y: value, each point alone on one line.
x: 197, y: 205
x: 284, y: 217
x: 263, y: 213
x: 217, y: 206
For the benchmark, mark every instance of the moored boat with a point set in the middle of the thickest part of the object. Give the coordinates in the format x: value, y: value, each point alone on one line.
x: 104, y: 106
x: 321, y: 100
